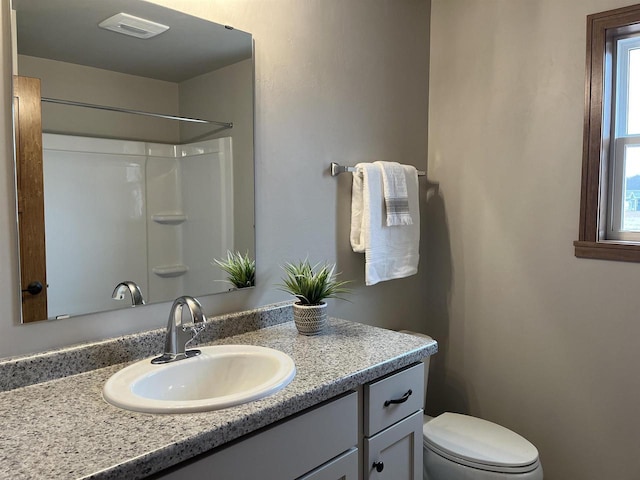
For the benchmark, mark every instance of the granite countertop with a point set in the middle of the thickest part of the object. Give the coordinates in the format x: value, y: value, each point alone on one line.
x: 63, y: 429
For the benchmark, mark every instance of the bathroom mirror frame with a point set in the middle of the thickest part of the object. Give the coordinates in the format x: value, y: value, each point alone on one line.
x: 199, y: 137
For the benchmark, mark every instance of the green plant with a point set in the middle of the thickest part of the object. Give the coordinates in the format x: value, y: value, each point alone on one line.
x: 312, y: 284
x: 241, y: 269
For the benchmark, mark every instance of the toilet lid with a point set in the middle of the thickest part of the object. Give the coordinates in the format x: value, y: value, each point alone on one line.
x: 479, y: 442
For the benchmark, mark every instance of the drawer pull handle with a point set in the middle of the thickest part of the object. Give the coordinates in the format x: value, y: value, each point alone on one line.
x: 402, y: 399
x: 379, y: 466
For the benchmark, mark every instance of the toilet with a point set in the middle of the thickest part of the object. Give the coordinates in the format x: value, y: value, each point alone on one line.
x: 461, y: 447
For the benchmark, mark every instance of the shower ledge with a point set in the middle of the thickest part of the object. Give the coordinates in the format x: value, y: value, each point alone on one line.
x: 173, y: 218
x: 169, y: 271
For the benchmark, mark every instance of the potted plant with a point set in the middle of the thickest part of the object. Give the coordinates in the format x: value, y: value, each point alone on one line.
x: 311, y: 285
x: 240, y: 269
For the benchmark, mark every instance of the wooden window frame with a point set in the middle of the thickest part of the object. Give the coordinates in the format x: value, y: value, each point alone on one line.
x: 592, y: 242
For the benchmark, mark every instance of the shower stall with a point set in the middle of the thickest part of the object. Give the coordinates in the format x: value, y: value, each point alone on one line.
x: 151, y: 213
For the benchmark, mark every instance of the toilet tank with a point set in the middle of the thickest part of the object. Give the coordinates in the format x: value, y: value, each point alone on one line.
x: 425, y: 361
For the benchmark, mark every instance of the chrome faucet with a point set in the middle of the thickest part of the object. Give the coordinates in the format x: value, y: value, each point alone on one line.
x: 179, y: 336
x: 134, y: 290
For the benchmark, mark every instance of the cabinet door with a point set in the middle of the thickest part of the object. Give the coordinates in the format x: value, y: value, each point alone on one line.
x: 345, y: 467
x: 282, y: 452
x: 395, y: 453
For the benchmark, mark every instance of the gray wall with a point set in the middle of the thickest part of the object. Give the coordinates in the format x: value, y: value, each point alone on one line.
x: 222, y: 96
x: 335, y: 81
x: 531, y: 337
x: 103, y: 87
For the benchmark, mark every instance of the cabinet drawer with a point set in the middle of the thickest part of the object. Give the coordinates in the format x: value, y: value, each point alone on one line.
x: 379, y: 412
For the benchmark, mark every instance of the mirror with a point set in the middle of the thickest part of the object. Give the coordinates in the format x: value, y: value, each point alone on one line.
x: 134, y: 155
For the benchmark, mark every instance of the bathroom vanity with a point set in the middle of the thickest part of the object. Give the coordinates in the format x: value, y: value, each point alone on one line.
x: 326, y: 441
x: 329, y: 423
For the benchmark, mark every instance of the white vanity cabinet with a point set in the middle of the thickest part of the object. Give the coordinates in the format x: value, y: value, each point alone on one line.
x: 328, y: 442
x: 393, y: 419
x: 319, y: 444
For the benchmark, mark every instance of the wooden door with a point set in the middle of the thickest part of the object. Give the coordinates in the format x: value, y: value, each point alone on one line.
x: 30, y: 187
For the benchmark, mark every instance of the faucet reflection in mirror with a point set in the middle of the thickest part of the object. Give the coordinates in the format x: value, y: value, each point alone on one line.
x: 109, y: 215
x: 122, y: 288
x: 180, y: 335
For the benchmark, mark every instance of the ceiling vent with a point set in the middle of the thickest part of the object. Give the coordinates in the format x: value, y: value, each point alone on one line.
x: 133, y: 26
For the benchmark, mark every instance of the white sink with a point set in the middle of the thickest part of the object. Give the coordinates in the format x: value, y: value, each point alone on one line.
x: 220, y: 377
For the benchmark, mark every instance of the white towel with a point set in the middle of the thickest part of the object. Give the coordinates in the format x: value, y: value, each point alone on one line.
x: 390, y: 252
x: 394, y: 188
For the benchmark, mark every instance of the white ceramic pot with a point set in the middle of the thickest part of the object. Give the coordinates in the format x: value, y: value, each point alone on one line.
x: 310, y: 319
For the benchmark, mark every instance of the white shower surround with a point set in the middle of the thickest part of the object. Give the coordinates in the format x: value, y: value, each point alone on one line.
x: 150, y: 179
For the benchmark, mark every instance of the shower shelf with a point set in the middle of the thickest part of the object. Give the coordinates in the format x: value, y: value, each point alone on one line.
x: 168, y: 271
x: 169, y: 218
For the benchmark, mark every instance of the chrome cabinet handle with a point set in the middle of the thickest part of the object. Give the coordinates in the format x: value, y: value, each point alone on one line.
x: 402, y: 399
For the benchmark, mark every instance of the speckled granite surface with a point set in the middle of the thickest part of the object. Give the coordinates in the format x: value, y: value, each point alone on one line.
x: 27, y: 370
x: 63, y: 429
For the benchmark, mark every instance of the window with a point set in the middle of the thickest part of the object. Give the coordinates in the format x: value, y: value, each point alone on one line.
x: 610, y: 201
x: 623, y: 222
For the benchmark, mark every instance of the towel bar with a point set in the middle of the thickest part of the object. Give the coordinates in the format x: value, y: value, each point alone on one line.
x: 337, y: 169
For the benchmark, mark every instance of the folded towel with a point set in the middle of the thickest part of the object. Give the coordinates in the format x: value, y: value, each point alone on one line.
x: 390, y: 252
x: 394, y: 188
